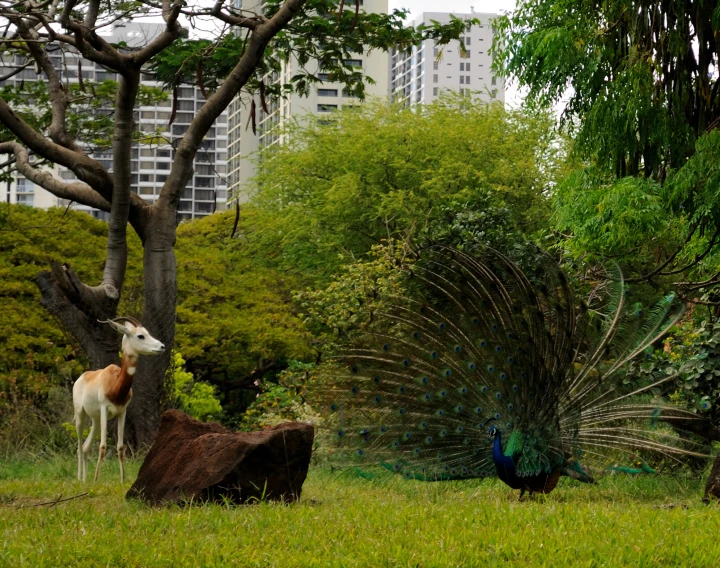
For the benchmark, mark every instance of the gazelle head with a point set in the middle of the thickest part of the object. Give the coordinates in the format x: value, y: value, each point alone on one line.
x: 136, y: 339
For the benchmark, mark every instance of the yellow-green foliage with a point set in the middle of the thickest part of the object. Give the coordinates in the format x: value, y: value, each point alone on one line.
x: 197, y: 398
x: 233, y: 310
x: 35, y: 353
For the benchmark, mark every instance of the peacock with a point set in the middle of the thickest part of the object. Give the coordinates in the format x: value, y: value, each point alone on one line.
x: 480, y: 369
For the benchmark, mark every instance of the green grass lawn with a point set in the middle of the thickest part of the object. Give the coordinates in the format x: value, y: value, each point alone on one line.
x: 345, y: 520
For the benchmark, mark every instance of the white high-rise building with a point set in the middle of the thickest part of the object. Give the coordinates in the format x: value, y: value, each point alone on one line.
x: 420, y: 75
x: 151, y: 163
x: 324, y: 98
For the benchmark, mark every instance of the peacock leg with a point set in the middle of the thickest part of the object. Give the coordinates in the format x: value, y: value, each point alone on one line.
x: 522, y: 492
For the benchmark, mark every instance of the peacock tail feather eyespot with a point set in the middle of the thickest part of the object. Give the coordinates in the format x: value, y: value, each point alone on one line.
x: 447, y: 372
x: 494, y: 327
x: 440, y: 412
x: 395, y: 444
x: 490, y: 369
x: 466, y: 441
x: 443, y: 433
x: 442, y: 394
x: 484, y: 388
x: 423, y: 425
x: 458, y: 348
x: 478, y: 410
x: 397, y: 467
x: 515, y: 388
x: 377, y: 399
x: 376, y: 380
x: 442, y: 326
x: 482, y: 343
x: 428, y: 439
x: 503, y: 376
x: 459, y: 429
x: 360, y: 453
x: 401, y: 411
x: 333, y: 407
x: 406, y: 362
x: 475, y: 320
x: 705, y: 405
x: 354, y: 390
x: 416, y: 334
x: 401, y: 389
x: 433, y: 354
x: 386, y: 347
x: 463, y: 390
x: 511, y: 407
x: 511, y: 360
x: 471, y: 366
x: 416, y: 451
x: 354, y: 368
x: 498, y: 416
x: 340, y: 433
x: 427, y: 396
x: 383, y: 429
x: 424, y: 379
x: 407, y: 435
x: 459, y: 408
x: 498, y: 348
x: 498, y: 395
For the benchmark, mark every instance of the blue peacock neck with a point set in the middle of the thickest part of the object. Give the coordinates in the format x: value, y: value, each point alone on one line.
x: 500, y: 459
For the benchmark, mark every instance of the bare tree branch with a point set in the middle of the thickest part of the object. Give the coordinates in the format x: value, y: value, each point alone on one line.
x: 219, y: 101
x: 75, y: 191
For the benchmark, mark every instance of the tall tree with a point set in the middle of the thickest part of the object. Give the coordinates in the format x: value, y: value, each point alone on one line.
x: 246, y: 45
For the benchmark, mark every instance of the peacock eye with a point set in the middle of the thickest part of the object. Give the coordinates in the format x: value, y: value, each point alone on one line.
x: 141, y: 337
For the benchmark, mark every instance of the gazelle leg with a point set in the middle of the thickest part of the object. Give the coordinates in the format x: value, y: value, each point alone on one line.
x: 103, y: 439
x: 79, y: 427
x: 121, y: 445
x: 86, y: 448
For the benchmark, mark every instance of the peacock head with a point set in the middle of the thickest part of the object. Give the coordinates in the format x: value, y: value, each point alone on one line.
x: 493, y: 432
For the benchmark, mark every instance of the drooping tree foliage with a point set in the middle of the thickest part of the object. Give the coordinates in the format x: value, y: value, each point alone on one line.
x: 638, y: 85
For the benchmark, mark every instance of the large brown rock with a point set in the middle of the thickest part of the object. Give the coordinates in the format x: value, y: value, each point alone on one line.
x: 192, y: 460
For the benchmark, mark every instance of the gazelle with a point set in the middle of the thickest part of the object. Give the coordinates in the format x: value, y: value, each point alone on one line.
x: 106, y: 393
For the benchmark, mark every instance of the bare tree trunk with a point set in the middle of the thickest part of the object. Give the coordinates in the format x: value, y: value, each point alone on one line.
x: 712, y: 487
x: 160, y: 297
x: 78, y: 308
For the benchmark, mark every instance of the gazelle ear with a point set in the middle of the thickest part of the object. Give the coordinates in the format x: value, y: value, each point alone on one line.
x: 119, y: 327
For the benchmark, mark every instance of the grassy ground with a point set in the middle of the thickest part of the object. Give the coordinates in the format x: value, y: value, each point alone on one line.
x: 350, y: 521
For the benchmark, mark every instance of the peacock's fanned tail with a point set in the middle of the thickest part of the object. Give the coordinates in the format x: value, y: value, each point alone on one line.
x: 480, y: 342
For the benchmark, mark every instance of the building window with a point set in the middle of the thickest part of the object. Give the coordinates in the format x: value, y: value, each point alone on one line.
x: 436, y: 51
x: 467, y: 79
x: 163, y: 153
x: 467, y: 41
x: 326, y: 108
x: 325, y: 77
x: 28, y: 199
x: 435, y: 78
x: 147, y: 152
x: 353, y: 62
x: 493, y: 81
x: 462, y: 79
x: 462, y: 91
x: 435, y: 91
x: 465, y: 55
x: 146, y: 177
x: 147, y: 166
x: 494, y: 93
x: 462, y: 67
x: 435, y: 65
x: 327, y: 92
x: 162, y: 165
